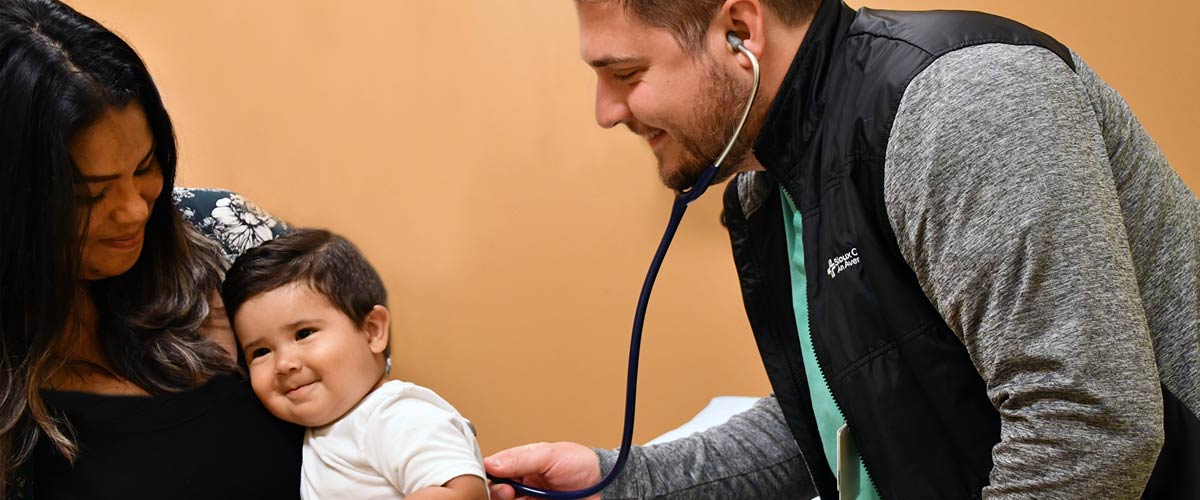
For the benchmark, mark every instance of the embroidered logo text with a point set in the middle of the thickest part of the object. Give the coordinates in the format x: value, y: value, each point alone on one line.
x: 843, y: 262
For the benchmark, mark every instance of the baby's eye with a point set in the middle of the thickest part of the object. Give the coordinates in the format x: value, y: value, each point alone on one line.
x: 303, y: 333
x: 261, y: 351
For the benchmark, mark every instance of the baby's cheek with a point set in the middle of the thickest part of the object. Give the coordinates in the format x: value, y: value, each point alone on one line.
x: 277, y: 405
x: 279, y: 408
x: 261, y: 384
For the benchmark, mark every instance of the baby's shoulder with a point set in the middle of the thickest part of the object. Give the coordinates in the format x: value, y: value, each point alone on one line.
x: 407, y: 402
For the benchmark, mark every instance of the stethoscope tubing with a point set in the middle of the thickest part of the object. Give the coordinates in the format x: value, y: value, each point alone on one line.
x: 682, y: 200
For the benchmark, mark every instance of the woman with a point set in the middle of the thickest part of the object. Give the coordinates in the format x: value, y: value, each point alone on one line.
x: 119, y: 379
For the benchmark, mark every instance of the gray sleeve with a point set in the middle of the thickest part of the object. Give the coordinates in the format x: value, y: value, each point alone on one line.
x: 1000, y: 193
x: 753, y: 455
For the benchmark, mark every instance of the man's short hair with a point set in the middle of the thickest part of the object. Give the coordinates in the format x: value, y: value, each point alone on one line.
x: 688, y: 20
x: 324, y: 261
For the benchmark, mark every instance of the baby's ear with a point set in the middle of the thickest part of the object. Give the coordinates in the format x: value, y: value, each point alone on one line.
x: 376, y: 326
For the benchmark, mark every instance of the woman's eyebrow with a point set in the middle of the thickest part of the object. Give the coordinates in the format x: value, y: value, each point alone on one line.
x: 106, y: 178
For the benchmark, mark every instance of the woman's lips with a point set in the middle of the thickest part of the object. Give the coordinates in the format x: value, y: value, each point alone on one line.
x: 124, y: 243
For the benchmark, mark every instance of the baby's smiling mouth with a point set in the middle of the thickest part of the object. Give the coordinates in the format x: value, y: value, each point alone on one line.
x: 293, y: 390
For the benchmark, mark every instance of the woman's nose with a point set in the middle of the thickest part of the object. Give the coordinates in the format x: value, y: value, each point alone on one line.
x: 132, y: 208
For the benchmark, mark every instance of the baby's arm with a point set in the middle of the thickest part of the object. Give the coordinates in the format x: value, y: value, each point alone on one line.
x: 465, y: 487
x: 424, y: 448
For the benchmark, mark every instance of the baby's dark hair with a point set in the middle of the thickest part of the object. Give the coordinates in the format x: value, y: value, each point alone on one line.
x: 325, y: 261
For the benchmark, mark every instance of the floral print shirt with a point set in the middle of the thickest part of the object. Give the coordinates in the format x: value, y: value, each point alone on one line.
x: 228, y: 219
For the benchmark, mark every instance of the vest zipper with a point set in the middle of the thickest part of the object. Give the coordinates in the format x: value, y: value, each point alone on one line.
x: 821, y: 362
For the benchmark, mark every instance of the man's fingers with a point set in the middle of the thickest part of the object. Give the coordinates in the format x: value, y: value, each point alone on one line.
x: 547, y: 466
x: 525, y: 460
x: 502, y: 492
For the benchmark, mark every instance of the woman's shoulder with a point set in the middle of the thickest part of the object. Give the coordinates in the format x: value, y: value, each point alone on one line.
x: 227, y: 218
x: 225, y: 430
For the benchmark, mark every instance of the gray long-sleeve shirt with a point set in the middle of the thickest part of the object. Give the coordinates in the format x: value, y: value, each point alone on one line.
x: 1051, y: 234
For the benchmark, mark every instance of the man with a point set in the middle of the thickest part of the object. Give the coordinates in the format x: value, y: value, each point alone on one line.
x: 969, y: 270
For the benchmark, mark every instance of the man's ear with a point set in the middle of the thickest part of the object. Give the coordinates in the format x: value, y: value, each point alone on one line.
x: 376, y: 326
x: 745, y: 19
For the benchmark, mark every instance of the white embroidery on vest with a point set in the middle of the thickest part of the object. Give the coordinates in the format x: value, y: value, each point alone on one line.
x: 843, y: 262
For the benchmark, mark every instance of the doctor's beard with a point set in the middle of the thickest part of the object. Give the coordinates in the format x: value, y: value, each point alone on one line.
x: 713, y: 124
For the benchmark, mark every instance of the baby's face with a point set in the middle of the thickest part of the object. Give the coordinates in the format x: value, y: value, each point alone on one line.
x: 309, y: 363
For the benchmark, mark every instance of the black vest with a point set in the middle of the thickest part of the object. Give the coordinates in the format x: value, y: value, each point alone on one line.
x: 916, y: 406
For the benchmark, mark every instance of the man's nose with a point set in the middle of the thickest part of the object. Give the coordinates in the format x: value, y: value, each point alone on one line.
x: 611, y: 106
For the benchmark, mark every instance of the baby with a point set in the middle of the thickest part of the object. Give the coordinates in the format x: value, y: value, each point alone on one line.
x: 308, y: 311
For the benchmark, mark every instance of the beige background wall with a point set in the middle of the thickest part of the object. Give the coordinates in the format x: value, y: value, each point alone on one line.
x: 454, y: 142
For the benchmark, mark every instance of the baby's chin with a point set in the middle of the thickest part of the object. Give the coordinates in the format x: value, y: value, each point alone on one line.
x: 307, y: 417
x: 306, y: 421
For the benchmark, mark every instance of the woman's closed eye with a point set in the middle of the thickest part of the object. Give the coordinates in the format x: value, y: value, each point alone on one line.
x: 87, y: 198
x: 146, y: 170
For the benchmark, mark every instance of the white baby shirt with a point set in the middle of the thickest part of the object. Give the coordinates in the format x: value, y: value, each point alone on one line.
x: 400, y: 438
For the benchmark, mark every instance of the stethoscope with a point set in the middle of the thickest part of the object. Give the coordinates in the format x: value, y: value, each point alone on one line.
x: 682, y: 200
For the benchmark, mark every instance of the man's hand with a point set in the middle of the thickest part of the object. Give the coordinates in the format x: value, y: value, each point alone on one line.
x: 552, y: 466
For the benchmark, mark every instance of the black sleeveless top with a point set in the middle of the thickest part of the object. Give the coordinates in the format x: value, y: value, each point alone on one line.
x: 216, y: 441
x: 213, y: 442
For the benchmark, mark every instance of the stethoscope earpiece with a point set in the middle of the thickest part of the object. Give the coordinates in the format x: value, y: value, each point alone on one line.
x: 735, y: 42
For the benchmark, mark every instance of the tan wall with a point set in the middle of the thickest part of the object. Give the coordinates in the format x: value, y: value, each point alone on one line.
x: 454, y: 142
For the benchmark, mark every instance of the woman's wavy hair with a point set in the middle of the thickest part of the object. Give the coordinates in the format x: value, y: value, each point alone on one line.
x: 59, y: 72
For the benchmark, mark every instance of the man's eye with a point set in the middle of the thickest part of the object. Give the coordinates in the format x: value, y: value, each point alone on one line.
x: 621, y: 77
x: 304, y: 333
x: 261, y: 351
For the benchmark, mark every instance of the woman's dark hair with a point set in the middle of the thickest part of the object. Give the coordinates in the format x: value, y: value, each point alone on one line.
x: 326, y: 262
x: 59, y: 72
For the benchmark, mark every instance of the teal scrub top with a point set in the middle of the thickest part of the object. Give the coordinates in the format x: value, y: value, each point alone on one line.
x: 853, y: 482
